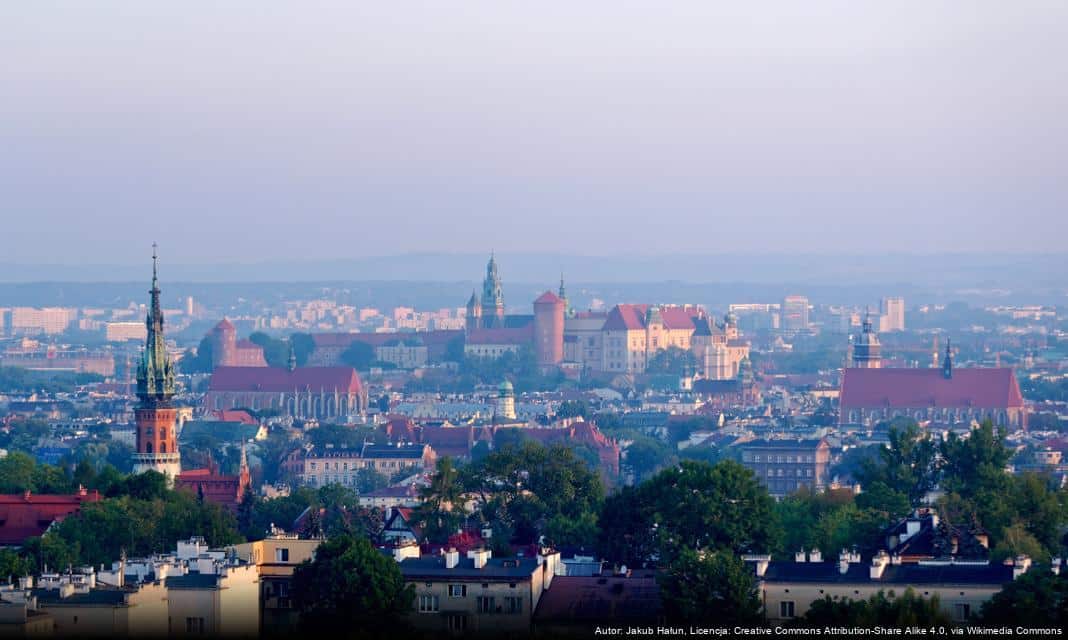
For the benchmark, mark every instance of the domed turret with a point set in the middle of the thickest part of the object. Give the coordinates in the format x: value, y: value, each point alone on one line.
x: 505, y: 406
x: 867, y: 352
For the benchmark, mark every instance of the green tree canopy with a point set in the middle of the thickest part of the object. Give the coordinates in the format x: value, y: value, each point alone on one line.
x: 351, y: 585
x: 714, y: 588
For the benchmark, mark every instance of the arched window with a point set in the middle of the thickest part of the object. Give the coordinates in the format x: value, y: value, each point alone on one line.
x: 163, y: 433
x: 163, y: 447
x: 148, y: 447
x: 148, y: 432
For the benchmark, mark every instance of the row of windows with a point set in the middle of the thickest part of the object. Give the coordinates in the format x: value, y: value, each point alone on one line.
x: 756, y: 457
x: 807, y: 473
x: 962, y: 611
x: 429, y: 603
x: 344, y: 466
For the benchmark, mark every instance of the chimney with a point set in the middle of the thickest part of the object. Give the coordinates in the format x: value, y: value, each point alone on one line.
x: 815, y: 555
x: 1055, y: 566
x: 843, y: 562
x: 66, y: 590
x: 895, y: 559
x: 1020, y: 566
x: 480, y: 556
x: 761, y: 562
x: 878, y: 565
x: 452, y: 558
x: 404, y: 551
x: 799, y: 556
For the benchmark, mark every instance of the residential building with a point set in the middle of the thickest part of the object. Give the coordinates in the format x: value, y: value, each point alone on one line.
x: 320, y: 467
x: 477, y: 593
x: 125, y: 331
x: 794, y: 314
x: 892, y: 314
x: 788, y: 589
x: 784, y: 466
x: 275, y: 558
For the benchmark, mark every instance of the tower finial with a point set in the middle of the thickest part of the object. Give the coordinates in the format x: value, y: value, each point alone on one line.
x: 155, y: 261
x: 947, y: 365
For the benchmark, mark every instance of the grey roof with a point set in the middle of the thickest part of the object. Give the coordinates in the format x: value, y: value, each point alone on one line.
x: 385, y: 451
x: 193, y: 581
x: 496, y: 569
x: 783, y: 444
x: 101, y: 597
x: 901, y: 575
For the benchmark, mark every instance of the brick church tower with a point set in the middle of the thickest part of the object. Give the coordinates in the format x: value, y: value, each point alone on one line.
x: 156, y: 416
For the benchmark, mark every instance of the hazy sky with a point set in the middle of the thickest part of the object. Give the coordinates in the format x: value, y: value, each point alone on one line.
x: 243, y: 130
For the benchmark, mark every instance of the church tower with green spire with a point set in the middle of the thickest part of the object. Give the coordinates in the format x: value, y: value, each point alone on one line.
x: 156, y: 416
x: 492, y: 296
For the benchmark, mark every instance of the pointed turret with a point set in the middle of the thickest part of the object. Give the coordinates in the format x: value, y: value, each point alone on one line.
x: 155, y: 375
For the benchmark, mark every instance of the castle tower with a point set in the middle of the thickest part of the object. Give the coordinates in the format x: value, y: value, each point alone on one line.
x: 223, y: 344
x: 867, y: 352
x: 548, y: 331
x: 474, y: 313
x: 492, y: 296
x: 157, y: 442
x: 562, y: 294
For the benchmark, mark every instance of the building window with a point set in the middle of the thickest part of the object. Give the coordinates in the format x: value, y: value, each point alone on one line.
x: 457, y: 622
x: 457, y: 590
x: 194, y: 625
x: 428, y: 604
x: 513, y: 604
x: 786, y: 609
x: 962, y: 611
x: 281, y: 555
x: 486, y: 604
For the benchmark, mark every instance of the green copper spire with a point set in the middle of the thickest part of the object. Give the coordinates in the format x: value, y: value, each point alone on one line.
x: 155, y: 375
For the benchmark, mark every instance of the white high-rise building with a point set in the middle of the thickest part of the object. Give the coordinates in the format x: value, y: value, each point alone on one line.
x: 892, y: 315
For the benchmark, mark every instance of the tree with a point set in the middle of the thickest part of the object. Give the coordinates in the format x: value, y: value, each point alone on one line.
x: 303, y: 346
x: 573, y: 409
x: 673, y: 361
x: 358, y: 355
x: 644, y: 456
x: 1039, y: 597
x: 907, y: 465
x: 713, y: 588
x: 441, y: 512
x: 975, y: 465
x: 880, y: 610
x: 198, y: 361
x: 350, y: 585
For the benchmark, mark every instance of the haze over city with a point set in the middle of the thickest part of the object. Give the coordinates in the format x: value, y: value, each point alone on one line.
x: 335, y: 130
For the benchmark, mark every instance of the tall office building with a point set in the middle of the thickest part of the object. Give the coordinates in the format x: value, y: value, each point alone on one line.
x: 794, y: 313
x: 892, y: 314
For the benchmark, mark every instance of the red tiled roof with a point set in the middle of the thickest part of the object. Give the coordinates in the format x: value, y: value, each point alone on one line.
x: 234, y: 415
x: 521, y: 335
x: 980, y: 388
x: 225, y: 325
x: 549, y: 298
x: 248, y: 344
x: 631, y: 317
x: 277, y: 379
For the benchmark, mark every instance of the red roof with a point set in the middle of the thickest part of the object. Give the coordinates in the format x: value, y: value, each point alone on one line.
x: 234, y: 415
x: 549, y: 298
x: 278, y: 379
x: 25, y: 515
x: 521, y: 335
x: 631, y: 317
x: 247, y: 344
x: 225, y: 325
x: 915, y: 388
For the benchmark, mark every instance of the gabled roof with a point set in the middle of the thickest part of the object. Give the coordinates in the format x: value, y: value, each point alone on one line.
x: 631, y: 317
x: 281, y: 380
x: 916, y: 388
